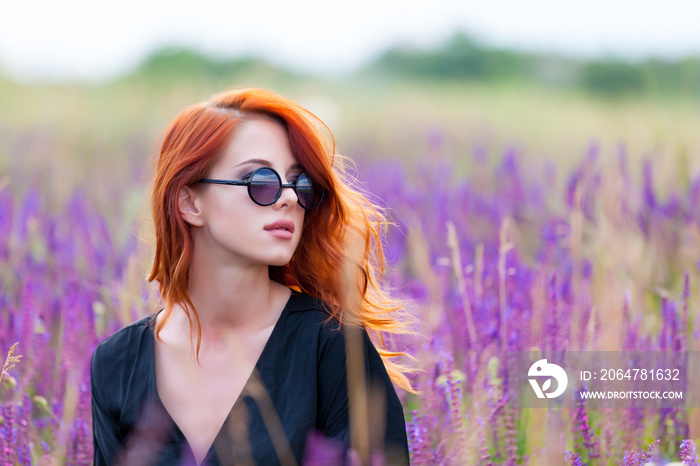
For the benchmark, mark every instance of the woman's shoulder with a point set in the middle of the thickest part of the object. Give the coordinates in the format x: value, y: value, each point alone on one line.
x: 124, y: 343
x: 311, y: 311
x: 303, y: 302
x: 121, y: 365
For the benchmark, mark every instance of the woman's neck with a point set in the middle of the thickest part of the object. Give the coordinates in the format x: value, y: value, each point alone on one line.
x: 231, y: 301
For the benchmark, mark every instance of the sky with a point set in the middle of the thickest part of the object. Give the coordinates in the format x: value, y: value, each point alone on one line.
x: 96, y: 39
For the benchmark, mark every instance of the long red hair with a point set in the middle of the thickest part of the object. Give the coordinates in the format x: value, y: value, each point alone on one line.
x: 191, y: 144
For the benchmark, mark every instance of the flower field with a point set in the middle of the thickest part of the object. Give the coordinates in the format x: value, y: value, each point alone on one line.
x: 504, y: 254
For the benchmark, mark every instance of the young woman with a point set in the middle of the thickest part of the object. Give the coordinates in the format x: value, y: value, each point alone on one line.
x: 253, y: 217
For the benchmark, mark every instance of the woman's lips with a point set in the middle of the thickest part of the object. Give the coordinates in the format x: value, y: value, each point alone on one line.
x: 281, y: 229
x: 284, y: 234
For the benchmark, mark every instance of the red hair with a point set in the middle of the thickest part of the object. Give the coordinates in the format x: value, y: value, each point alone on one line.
x: 191, y: 144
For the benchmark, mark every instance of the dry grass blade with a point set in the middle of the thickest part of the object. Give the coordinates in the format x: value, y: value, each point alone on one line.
x: 236, y: 449
x: 453, y: 242
x: 358, y: 401
x: 503, y: 249
x: 256, y: 389
x: 10, y: 361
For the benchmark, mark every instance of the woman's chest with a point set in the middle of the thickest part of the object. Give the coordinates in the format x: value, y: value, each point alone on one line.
x: 199, y: 398
x: 274, y: 404
x: 278, y: 388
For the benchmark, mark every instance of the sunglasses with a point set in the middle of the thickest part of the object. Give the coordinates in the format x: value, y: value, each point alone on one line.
x: 265, y: 187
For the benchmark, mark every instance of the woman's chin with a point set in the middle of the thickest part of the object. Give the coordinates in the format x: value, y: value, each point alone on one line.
x: 279, y: 261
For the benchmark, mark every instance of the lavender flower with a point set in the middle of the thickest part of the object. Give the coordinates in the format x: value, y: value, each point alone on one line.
x: 634, y: 459
x: 631, y: 458
x: 485, y: 455
x: 322, y: 451
x: 683, y: 330
x: 511, y: 447
x: 647, y: 455
x: 55, y: 267
x: 585, y: 431
x: 689, y: 454
x: 418, y: 443
x: 573, y: 459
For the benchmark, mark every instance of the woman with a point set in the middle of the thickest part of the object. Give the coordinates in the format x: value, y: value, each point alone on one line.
x: 253, y: 219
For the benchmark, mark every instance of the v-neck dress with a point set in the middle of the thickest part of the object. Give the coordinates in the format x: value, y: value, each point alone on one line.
x: 298, y: 386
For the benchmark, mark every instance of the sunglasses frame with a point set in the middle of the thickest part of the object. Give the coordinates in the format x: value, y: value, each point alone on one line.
x: 249, y: 184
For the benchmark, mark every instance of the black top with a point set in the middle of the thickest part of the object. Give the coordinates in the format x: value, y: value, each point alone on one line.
x: 304, y: 388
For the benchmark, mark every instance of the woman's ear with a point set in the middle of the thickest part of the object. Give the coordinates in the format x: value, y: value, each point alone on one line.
x: 188, y: 205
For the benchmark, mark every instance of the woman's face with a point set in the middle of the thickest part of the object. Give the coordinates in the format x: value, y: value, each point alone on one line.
x: 234, y: 228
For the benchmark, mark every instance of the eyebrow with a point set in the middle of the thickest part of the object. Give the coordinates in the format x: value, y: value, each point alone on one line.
x: 266, y: 163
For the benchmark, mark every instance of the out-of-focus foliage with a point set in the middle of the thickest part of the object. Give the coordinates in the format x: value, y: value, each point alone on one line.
x: 173, y: 64
x: 459, y: 58
x: 653, y: 76
x: 462, y: 57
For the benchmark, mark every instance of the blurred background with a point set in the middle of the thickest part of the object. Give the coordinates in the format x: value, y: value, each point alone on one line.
x: 541, y: 161
x: 86, y: 87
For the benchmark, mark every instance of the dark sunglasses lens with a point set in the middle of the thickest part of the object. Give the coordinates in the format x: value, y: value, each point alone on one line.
x: 309, y: 196
x: 264, y: 186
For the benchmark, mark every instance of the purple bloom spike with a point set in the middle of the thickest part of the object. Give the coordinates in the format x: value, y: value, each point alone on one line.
x: 649, y: 196
x: 683, y: 330
x: 636, y: 459
x: 689, y: 454
x: 631, y: 458
x: 552, y: 313
x: 584, y: 428
x: 664, y: 334
x: 322, y: 451
x: 647, y: 455
x: 511, y: 447
x: 573, y: 459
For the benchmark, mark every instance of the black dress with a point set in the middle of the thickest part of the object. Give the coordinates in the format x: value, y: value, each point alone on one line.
x: 298, y: 386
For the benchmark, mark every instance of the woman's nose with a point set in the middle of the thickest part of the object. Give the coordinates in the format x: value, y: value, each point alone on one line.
x: 288, y: 196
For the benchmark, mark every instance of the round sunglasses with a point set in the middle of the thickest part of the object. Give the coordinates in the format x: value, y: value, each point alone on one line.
x: 265, y: 187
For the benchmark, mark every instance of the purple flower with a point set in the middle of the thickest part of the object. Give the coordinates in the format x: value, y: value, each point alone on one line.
x: 573, y: 459
x: 647, y: 455
x: 584, y: 428
x: 321, y: 451
x: 689, y: 454
x: 634, y: 459
x: 631, y: 458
